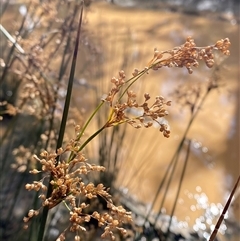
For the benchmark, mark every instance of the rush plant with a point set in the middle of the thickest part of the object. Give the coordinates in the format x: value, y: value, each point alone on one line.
x: 62, y: 167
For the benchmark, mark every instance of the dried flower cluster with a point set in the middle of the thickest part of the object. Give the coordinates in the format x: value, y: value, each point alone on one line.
x: 188, y: 55
x: 67, y: 168
x: 190, y: 95
x: 68, y: 186
x: 147, y: 113
x: 23, y: 158
x: 111, y: 221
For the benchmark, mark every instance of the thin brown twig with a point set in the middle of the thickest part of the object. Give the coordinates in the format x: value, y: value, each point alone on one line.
x: 215, y: 231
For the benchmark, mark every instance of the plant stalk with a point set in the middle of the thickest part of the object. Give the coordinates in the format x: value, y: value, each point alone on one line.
x: 63, y: 124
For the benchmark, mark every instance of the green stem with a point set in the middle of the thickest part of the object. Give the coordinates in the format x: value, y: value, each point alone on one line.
x: 73, y: 155
x: 89, y: 120
x: 91, y: 137
x: 140, y: 74
x: 63, y: 124
x: 133, y: 79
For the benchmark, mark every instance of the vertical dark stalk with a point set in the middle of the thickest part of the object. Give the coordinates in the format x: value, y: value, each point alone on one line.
x: 179, y: 187
x: 174, y: 158
x: 215, y: 231
x: 62, y: 70
x: 70, y: 85
x: 63, y: 122
x: 175, y: 161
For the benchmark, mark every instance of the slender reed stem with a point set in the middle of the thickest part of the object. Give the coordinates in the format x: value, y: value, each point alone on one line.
x: 215, y: 231
x: 174, y: 163
x: 62, y: 70
x: 178, y: 150
x: 63, y: 122
x: 89, y: 120
x: 179, y: 187
x: 140, y: 74
x: 92, y: 137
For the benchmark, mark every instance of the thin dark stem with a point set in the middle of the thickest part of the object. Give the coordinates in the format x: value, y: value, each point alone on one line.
x: 178, y: 150
x: 175, y: 161
x: 63, y: 67
x: 86, y: 142
x: 63, y: 124
x: 214, y: 233
x: 179, y: 187
x: 70, y: 85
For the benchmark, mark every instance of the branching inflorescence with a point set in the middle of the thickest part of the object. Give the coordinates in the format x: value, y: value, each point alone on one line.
x: 149, y: 113
x: 186, y: 55
x: 68, y: 187
x: 67, y: 167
